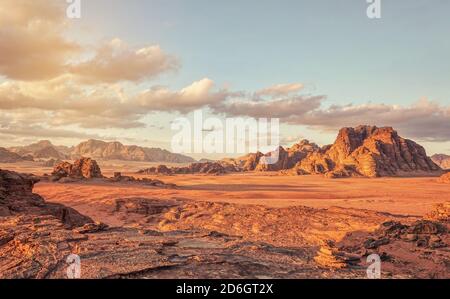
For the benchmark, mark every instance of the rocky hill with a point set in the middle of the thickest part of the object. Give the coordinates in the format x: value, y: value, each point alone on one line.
x: 442, y: 160
x: 99, y: 150
x: 82, y: 168
x: 372, y: 152
x: 211, y: 168
x: 287, y: 158
x: 117, y: 151
x: 7, y: 156
x: 366, y: 151
x: 43, y: 149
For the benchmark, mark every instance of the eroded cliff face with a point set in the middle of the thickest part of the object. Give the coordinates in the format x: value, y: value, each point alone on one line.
x: 81, y: 168
x: 372, y: 152
x: 17, y: 199
x: 366, y: 151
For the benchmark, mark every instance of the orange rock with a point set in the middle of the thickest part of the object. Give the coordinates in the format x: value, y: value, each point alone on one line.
x: 82, y: 168
x: 372, y: 152
x: 445, y: 178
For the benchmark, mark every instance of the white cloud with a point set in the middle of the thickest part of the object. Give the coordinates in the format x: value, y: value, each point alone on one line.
x: 424, y: 120
x: 280, y: 89
x: 116, y: 61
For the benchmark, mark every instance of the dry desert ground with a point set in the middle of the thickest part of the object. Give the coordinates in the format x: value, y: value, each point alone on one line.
x: 251, y: 224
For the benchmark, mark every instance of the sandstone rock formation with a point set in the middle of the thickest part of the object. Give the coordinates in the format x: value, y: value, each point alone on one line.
x: 16, y: 198
x: 248, y: 162
x: 445, y: 178
x: 157, y: 170
x: 210, y: 168
x: 370, y: 151
x: 84, y: 168
x: 330, y: 257
x: 42, y: 150
x: 362, y: 151
x: 441, y: 213
x: 285, y: 158
x: 51, y: 163
x: 7, y: 156
x: 97, y: 149
x: 119, y: 178
x: 393, y: 242
x: 442, y: 160
x: 288, y: 158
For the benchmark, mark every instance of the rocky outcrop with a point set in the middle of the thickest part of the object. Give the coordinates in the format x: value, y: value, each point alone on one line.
x: 7, y: 156
x: 51, y: 163
x: 280, y: 159
x: 157, y: 170
x: 48, y: 152
x: 392, y: 242
x: 16, y: 198
x: 287, y: 159
x: 442, y: 160
x: 119, y: 178
x: 440, y: 213
x: 84, y: 168
x: 97, y: 149
x: 423, y: 233
x: 371, y: 152
x: 445, y: 178
x: 42, y: 150
x: 366, y: 151
x: 210, y: 168
x: 248, y: 162
x: 329, y: 256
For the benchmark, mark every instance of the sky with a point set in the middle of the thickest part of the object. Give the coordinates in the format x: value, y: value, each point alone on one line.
x: 126, y: 69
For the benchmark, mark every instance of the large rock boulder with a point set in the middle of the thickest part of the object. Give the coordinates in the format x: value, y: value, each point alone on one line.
x: 84, y: 168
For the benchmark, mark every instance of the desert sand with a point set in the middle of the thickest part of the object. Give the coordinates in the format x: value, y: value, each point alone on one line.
x: 405, y: 196
x: 415, y: 196
x: 237, y: 225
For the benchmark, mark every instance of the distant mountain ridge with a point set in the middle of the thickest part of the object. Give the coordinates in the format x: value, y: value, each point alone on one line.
x: 7, y: 156
x: 101, y: 150
x: 117, y: 151
x: 43, y: 149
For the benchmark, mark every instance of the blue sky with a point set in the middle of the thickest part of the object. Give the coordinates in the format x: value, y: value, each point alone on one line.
x: 331, y: 46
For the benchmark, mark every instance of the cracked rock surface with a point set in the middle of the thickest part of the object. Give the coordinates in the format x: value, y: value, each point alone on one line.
x: 189, y: 239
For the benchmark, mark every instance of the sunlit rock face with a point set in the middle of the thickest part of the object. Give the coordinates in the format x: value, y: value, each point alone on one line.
x: 371, y: 152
